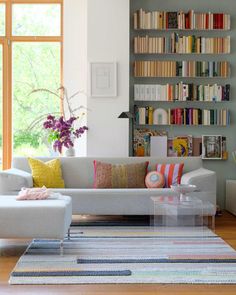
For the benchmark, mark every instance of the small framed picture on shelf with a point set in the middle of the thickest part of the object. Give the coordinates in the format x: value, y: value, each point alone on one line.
x: 212, y: 147
x: 103, y: 79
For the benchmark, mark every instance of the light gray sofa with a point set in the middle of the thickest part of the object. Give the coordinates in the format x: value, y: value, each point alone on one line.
x: 78, y: 175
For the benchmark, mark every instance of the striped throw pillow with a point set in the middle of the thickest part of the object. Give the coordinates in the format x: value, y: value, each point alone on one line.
x: 171, y: 172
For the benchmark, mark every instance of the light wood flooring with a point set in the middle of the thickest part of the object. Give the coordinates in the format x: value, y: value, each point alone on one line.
x: 11, y: 250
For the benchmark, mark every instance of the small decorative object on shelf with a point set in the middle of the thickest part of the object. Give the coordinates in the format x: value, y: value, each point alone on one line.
x: 214, y: 147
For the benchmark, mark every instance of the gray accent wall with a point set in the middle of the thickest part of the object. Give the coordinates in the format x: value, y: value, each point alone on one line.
x: 224, y: 169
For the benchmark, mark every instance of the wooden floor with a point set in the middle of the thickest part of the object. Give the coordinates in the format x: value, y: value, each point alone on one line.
x: 10, y: 251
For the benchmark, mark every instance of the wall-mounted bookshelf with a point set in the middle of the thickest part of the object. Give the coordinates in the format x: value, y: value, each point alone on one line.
x: 180, y: 71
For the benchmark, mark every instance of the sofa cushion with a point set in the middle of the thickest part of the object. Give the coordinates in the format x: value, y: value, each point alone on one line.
x: 171, y: 172
x: 154, y: 179
x: 46, y: 173
x: 119, y: 176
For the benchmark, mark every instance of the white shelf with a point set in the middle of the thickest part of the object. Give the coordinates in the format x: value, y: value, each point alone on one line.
x: 180, y: 101
x: 187, y: 30
x: 174, y: 53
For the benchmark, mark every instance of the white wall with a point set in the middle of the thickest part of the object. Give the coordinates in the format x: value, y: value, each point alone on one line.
x: 105, y: 37
x: 75, y: 58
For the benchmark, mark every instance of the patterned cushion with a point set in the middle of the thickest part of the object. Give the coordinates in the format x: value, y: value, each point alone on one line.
x: 46, y: 173
x: 171, y: 172
x: 119, y: 176
x: 154, y: 179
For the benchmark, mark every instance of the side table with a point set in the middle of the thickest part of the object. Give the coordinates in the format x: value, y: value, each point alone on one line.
x: 182, y: 213
x: 231, y: 196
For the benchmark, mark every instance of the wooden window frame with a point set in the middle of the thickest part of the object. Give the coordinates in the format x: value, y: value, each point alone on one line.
x: 6, y: 41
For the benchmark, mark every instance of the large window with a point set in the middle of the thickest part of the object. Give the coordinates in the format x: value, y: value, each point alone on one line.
x: 30, y: 59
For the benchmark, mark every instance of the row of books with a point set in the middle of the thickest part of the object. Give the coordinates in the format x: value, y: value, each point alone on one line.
x: 181, y: 116
x: 181, y: 92
x: 159, y: 20
x: 154, y: 68
x: 181, y: 44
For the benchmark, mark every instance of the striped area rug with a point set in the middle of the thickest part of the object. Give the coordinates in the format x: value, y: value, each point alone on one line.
x: 102, y: 255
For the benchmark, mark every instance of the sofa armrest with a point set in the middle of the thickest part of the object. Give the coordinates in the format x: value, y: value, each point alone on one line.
x: 12, y: 180
x: 205, y: 181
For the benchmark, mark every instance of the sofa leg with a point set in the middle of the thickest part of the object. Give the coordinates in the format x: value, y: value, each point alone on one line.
x: 68, y: 234
x: 61, y: 247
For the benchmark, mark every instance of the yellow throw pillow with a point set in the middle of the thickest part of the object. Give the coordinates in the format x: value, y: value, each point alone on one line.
x: 46, y: 173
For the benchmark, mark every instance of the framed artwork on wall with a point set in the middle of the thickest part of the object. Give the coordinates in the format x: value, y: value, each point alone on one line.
x: 212, y: 147
x: 103, y: 79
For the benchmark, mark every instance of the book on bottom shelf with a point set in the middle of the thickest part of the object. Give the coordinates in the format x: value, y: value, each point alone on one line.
x: 155, y: 143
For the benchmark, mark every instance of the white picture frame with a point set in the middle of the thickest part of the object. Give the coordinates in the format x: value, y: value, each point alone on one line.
x: 212, y: 147
x: 103, y: 79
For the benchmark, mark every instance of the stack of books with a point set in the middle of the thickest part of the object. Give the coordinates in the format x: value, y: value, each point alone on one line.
x: 159, y: 20
x: 181, y: 44
x: 181, y: 92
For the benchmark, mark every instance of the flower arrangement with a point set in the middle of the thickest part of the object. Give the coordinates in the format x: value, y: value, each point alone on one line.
x: 62, y: 132
x: 61, y: 128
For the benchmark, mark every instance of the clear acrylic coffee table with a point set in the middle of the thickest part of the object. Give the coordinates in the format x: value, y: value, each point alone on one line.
x: 177, y: 213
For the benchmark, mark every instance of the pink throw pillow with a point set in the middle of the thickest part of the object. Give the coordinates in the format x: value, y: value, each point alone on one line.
x: 33, y: 194
x: 154, y: 179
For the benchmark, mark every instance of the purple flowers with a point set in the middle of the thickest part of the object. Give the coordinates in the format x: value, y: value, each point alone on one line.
x: 61, y: 131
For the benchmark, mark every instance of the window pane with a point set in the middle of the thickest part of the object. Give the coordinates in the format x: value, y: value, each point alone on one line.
x: 1, y: 107
x: 35, y: 65
x: 36, y: 20
x: 2, y: 19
